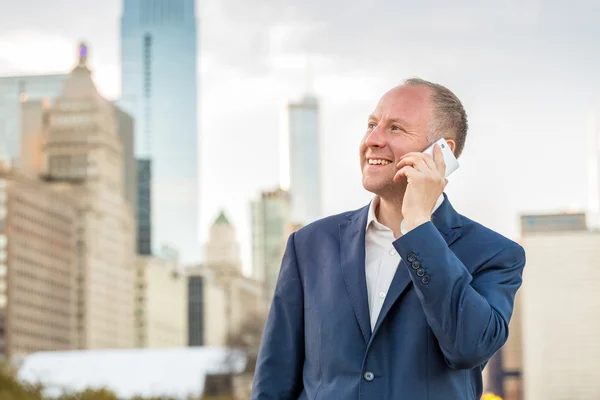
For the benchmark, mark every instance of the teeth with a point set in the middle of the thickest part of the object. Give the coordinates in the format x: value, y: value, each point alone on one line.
x: 378, y: 162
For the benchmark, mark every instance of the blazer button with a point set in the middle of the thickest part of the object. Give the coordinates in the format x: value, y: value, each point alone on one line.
x: 420, y: 272
x: 369, y: 376
x: 415, y: 265
x: 425, y: 280
x: 411, y: 257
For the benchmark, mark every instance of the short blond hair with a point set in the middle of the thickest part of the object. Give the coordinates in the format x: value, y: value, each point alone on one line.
x: 450, y: 118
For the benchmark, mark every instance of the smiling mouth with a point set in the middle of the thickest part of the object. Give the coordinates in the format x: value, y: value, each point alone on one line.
x: 378, y: 161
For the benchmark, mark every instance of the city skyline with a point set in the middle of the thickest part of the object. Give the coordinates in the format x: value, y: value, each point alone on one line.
x: 525, y: 72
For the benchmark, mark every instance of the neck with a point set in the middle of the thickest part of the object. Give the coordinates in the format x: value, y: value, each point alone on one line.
x: 389, y: 212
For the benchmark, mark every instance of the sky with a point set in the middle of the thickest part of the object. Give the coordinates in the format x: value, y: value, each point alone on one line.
x: 526, y: 72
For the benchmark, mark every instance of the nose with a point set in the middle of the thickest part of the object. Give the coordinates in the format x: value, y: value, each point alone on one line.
x: 376, y: 138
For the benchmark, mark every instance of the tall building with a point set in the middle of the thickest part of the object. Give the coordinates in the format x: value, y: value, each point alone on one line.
x: 144, y: 206
x: 560, y: 302
x: 305, y: 161
x: 15, y: 90
x: 38, y: 259
x: 159, y: 89
x: 161, y: 304
x: 195, y: 306
x: 270, y: 230
x: 126, y: 133
x: 231, y: 301
x: 83, y: 156
x: 31, y: 159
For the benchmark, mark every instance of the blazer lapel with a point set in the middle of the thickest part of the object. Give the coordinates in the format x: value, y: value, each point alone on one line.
x: 399, y: 284
x: 352, y: 261
x: 448, y: 223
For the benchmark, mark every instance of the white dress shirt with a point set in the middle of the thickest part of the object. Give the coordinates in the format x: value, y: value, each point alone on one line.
x: 381, y: 259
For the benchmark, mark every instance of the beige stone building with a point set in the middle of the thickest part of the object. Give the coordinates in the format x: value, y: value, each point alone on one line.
x: 38, y: 258
x: 560, y: 309
x: 83, y: 158
x: 160, y: 303
x: 231, y: 300
x: 505, y: 372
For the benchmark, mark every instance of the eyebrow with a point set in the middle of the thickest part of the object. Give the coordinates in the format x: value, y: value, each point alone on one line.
x: 394, y: 120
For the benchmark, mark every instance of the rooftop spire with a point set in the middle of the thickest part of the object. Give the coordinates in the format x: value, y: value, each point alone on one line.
x: 222, y: 219
x: 83, y: 55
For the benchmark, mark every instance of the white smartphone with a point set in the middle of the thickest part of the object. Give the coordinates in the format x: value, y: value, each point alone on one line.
x: 449, y: 159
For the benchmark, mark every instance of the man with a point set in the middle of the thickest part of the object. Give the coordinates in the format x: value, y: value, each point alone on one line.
x: 404, y: 298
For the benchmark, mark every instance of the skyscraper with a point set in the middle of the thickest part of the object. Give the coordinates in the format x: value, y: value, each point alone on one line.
x: 270, y: 224
x: 231, y: 300
x: 305, y: 160
x: 158, y: 62
x: 125, y: 128
x: 83, y: 156
x: 14, y: 91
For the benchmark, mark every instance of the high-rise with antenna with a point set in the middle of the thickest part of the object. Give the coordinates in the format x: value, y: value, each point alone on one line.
x: 304, y: 151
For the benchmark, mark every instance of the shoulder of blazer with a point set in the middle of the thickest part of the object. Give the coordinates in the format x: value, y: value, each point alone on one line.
x: 329, y: 224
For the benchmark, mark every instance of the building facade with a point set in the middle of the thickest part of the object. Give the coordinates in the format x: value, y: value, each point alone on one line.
x: 126, y: 126
x: 195, y: 306
x: 559, y: 301
x: 270, y: 230
x: 144, y: 206
x: 231, y: 301
x: 83, y: 157
x: 159, y: 89
x: 38, y: 259
x: 305, y: 161
x: 161, y: 304
x: 15, y: 90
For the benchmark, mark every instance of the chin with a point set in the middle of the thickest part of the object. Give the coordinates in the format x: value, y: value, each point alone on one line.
x: 382, y: 187
x: 371, y: 185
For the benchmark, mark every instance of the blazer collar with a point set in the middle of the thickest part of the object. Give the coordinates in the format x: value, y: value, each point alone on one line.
x: 352, y: 260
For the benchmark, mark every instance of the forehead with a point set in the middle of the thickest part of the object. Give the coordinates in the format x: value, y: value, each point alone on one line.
x: 410, y: 103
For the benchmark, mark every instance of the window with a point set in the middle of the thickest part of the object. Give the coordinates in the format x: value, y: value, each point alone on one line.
x: 147, y: 65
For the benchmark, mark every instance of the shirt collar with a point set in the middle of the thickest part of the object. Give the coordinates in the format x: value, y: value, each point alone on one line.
x: 372, y: 218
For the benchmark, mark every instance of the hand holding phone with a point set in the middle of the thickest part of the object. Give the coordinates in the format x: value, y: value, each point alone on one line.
x: 424, y: 186
x: 449, y: 159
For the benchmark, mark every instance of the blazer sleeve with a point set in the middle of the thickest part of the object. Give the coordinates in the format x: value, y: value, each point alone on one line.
x: 278, y: 373
x: 469, y: 314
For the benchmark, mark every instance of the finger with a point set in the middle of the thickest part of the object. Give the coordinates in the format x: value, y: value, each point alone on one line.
x: 407, y: 172
x: 416, y: 162
x: 417, y: 154
x: 438, y: 158
x: 430, y: 162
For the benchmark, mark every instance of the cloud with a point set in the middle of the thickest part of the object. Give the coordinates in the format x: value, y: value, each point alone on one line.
x: 31, y: 52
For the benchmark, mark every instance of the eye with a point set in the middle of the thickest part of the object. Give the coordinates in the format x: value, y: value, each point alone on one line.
x: 372, y: 125
x: 396, y: 128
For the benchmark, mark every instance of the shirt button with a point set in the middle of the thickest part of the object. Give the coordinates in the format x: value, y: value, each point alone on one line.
x: 382, y: 295
x: 392, y: 251
x: 369, y: 376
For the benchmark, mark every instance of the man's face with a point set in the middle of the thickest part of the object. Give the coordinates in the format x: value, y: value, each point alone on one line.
x: 398, y: 125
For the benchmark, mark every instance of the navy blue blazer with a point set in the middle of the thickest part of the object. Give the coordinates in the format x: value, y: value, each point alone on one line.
x: 446, y: 313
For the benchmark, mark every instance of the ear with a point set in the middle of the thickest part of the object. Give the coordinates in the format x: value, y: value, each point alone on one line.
x: 451, y: 143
